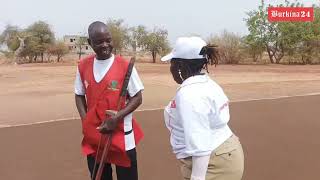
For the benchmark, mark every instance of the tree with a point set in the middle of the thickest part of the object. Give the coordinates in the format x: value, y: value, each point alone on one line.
x: 58, y: 49
x: 253, y: 47
x: 119, y: 33
x: 299, y: 38
x: 229, y: 45
x: 263, y: 32
x: 15, y: 39
x: 9, y: 37
x: 32, y: 49
x: 156, y: 42
x: 137, y: 36
x: 293, y: 39
x: 81, y: 42
x: 42, y: 35
x: 314, y: 44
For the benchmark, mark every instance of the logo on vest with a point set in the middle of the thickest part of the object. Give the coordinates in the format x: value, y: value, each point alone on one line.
x: 113, y: 85
x: 173, y: 104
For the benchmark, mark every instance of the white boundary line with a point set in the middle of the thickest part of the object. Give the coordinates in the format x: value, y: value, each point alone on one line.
x: 40, y: 122
x: 152, y: 109
x: 4, y: 126
x: 278, y: 97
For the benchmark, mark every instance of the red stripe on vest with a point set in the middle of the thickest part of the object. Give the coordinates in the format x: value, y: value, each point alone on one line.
x: 100, y: 97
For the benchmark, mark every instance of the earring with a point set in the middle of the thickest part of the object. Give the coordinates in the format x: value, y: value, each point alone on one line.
x: 179, y: 71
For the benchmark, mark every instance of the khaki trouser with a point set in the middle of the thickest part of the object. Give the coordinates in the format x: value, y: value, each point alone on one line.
x: 226, y: 162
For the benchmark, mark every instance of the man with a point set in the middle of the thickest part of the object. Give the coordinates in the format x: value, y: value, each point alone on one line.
x: 97, y: 87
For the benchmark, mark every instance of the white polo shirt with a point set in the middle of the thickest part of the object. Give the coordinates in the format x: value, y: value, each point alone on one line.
x: 197, y: 117
x: 100, y: 69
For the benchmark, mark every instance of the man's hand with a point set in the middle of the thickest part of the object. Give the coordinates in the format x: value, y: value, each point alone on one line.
x: 109, y: 124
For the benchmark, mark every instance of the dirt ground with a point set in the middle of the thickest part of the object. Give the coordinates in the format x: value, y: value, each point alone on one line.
x: 44, y: 92
x: 280, y: 136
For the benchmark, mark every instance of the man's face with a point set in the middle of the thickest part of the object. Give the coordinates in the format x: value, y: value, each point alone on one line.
x: 101, y: 43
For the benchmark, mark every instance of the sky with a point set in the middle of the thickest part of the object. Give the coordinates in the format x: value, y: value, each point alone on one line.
x: 179, y: 17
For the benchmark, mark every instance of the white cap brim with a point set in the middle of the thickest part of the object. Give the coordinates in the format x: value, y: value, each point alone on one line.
x: 167, y: 57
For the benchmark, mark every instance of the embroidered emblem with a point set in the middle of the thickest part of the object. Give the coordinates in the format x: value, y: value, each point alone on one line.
x: 224, y: 106
x: 113, y: 85
x: 173, y: 104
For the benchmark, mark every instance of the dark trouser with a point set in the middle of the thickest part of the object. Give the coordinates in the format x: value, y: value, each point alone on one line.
x: 123, y: 173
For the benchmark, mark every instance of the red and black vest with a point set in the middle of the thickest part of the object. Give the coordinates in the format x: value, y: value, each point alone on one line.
x: 100, y: 97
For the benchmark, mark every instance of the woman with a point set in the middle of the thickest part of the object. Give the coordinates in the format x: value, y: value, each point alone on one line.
x: 198, y: 116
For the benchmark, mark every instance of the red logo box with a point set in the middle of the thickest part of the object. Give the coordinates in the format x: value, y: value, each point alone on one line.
x: 285, y: 14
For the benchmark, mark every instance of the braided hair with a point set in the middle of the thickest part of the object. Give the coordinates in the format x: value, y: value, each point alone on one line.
x: 194, y: 66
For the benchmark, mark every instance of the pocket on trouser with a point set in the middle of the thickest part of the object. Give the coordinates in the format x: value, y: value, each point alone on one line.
x: 186, y: 167
x: 227, y: 161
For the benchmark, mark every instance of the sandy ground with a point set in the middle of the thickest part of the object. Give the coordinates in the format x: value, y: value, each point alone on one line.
x: 280, y: 136
x: 36, y: 93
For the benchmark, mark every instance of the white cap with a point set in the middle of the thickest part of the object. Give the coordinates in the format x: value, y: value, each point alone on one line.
x: 186, y: 48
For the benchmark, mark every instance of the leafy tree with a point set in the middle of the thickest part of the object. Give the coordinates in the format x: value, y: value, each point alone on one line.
x: 263, y: 32
x: 119, y: 34
x: 229, y: 47
x: 41, y: 34
x: 9, y: 37
x: 137, y: 37
x: 157, y: 42
x: 81, y: 42
x: 253, y: 47
x: 58, y: 49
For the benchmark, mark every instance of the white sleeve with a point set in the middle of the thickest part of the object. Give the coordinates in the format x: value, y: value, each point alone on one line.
x: 135, y: 84
x: 199, y: 167
x: 78, y: 85
x: 193, y: 113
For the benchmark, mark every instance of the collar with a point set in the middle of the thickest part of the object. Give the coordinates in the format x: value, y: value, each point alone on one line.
x: 194, y: 80
x: 103, y: 60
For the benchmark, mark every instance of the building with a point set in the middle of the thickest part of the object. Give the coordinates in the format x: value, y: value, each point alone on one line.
x: 77, y: 43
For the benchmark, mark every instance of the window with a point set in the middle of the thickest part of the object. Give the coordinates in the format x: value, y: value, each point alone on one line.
x: 71, y: 40
x: 87, y: 47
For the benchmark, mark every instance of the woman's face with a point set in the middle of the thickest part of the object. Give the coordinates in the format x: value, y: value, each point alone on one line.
x: 174, y: 69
